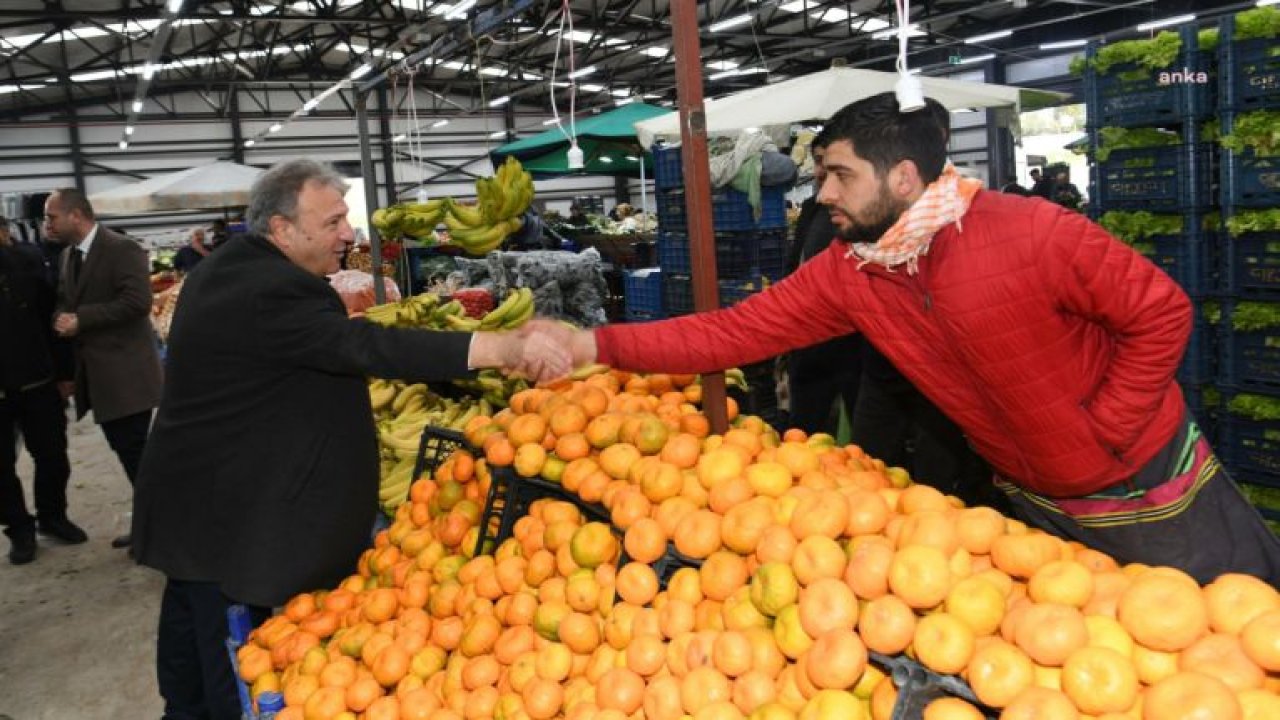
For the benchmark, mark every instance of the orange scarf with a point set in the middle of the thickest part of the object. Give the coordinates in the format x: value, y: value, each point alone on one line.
x: 945, y: 201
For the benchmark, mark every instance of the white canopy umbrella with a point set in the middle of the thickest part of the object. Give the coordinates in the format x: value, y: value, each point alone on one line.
x: 819, y: 95
x: 207, y: 187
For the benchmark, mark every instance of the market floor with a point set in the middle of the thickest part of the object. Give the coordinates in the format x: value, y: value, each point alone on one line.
x: 78, y: 625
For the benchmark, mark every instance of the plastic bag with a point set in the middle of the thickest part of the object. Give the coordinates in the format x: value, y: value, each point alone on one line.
x: 355, y: 287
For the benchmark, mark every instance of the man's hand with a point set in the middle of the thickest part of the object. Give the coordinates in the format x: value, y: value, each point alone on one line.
x: 581, y: 344
x: 66, y: 324
x: 66, y: 388
x: 529, y: 352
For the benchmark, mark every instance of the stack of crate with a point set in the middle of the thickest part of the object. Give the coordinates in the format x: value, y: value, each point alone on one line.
x: 751, y: 250
x: 1175, y: 181
x: 1249, y: 329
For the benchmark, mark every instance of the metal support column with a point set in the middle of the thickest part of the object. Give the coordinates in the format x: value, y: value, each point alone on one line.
x: 388, y: 148
x: 370, y: 195
x: 77, y: 152
x: 237, y: 134
x: 621, y: 189
x: 697, y: 183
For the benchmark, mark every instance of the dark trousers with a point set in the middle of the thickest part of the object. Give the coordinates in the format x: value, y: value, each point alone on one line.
x: 820, y: 375
x: 127, y: 436
x: 896, y: 423
x: 193, y: 666
x: 40, y: 415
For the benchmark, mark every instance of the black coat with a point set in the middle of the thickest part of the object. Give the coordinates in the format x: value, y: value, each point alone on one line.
x: 30, y: 353
x: 261, y: 472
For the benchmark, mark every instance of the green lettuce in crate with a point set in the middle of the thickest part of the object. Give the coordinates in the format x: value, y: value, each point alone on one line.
x: 1154, y: 54
x: 1131, y: 227
x: 1250, y: 316
x: 1255, y: 407
x: 1258, y: 131
x: 1212, y: 311
x: 1250, y: 221
x: 1118, y: 138
x: 1258, y: 23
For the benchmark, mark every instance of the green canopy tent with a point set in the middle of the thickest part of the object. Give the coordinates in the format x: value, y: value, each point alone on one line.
x: 608, y: 143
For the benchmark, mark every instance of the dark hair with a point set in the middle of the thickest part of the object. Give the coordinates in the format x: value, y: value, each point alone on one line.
x: 883, y: 136
x: 275, y: 192
x: 73, y: 200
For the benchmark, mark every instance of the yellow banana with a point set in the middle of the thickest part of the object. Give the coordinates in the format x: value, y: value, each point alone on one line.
x: 380, y: 396
x: 468, y: 215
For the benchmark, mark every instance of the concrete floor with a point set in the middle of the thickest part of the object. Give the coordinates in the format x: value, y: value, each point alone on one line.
x: 78, y: 625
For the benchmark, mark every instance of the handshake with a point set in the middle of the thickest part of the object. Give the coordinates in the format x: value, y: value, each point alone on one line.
x: 542, y: 349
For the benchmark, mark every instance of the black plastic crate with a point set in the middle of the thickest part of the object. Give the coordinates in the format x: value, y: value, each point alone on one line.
x: 668, y: 171
x: 738, y: 254
x: 1199, y: 363
x: 1251, y: 264
x: 1250, y: 71
x: 1204, y: 401
x: 1249, y: 446
x: 1250, y: 358
x: 1189, y: 259
x: 729, y: 210
x: 1171, y: 178
x: 677, y: 294
x: 733, y: 292
x: 434, y: 447
x: 643, y: 293
x: 509, y: 498
x: 1130, y: 95
x: 1249, y: 180
x: 1262, y: 490
x: 918, y: 686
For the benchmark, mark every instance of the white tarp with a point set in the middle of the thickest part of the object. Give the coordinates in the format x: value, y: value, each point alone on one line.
x: 207, y: 187
x: 818, y: 96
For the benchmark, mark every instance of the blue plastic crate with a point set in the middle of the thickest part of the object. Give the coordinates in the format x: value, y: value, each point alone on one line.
x: 1129, y: 95
x: 1199, y: 362
x: 668, y: 171
x: 740, y: 254
x: 1250, y: 358
x: 1249, y: 180
x: 1189, y: 259
x: 733, y: 292
x: 1172, y: 178
x: 1251, y: 264
x: 1250, y: 446
x: 1250, y: 71
x: 642, y: 294
x: 730, y: 210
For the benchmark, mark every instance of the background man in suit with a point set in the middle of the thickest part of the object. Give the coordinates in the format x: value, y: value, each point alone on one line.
x: 104, y: 305
x: 31, y: 360
x: 260, y: 479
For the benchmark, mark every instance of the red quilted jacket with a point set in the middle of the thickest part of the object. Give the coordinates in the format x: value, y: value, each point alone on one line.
x: 1050, y: 343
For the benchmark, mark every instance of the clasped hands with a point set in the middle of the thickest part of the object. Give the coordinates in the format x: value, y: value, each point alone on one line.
x: 66, y: 324
x: 540, y: 350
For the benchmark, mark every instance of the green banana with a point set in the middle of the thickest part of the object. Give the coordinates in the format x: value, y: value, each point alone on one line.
x: 493, y: 319
x: 461, y: 322
x: 522, y: 311
x: 468, y: 215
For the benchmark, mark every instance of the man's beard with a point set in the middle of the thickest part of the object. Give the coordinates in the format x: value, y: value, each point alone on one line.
x: 883, y: 213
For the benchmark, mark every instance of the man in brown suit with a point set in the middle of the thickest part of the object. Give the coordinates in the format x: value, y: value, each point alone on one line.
x: 104, y: 305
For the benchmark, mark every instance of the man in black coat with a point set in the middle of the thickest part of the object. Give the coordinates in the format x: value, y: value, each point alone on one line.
x: 261, y: 475
x: 32, y: 361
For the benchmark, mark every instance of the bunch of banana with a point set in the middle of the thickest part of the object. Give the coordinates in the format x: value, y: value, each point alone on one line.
x: 393, y: 488
x: 493, y: 387
x: 484, y: 238
x: 412, y: 311
x: 501, y: 202
x: 416, y: 220
x: 513, y: 312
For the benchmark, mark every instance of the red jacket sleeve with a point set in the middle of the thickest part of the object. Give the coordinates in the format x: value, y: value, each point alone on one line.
x: 803, y: 309
x: 1147, y: 315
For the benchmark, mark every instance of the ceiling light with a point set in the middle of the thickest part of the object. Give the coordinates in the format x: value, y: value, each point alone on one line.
x: 500, y: 101
x: 148, y: 71
x: 275, y: 128
x: 400, y: 138
x: 250, y: 142
x: 123, y: 145
x: 1157, y: 24
x: 722, y: 75
x: 500, y: 133
x: 656, y: 52
x: 1063, y: 44
x: 731, y: 22
x: 988, y: 36
x: 589, y: 87
x: 869, y: 24
x: 621, y: 92
x: 310, y: 105
x: 174, y: 6
x: 551, y: 121
x: 459, y: 10
x: 439, y: 123
x: 831, y: 15
x: 361, y: 71
x: 584, y: 71
x: 977, y: 59
x: 624, y: 101
x: 493, y: 71
x: 606, y: 159
x: 913, y: 30
x: 137, y: 106
x: 633, y: 158
x: 128, y: 129
x: 722, y: 65
x: 752, y: 71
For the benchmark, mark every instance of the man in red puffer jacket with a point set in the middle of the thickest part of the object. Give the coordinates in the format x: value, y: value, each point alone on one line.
x: 1050, y: 343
